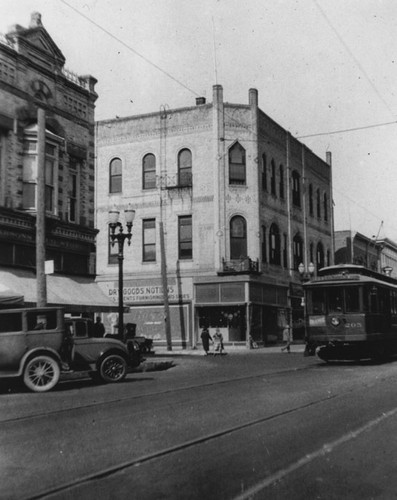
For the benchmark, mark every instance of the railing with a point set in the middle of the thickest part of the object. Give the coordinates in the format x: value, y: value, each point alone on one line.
x: 75, y: 78
x: 242, y: 266
x: 177, y: 181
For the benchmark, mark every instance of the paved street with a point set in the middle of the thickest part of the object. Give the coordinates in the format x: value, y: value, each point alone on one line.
x: 251, y: 424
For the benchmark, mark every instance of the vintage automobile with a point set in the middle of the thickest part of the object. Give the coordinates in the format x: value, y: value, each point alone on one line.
x: 38, y: 344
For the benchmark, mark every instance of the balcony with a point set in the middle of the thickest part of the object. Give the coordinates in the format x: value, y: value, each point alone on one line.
x: 240, y: 266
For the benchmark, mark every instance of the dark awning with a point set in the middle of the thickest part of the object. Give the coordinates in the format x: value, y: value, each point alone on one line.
x: 75, y: 294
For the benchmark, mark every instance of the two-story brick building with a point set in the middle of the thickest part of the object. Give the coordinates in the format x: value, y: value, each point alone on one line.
x: 242, y: 204
x: 33, y: 77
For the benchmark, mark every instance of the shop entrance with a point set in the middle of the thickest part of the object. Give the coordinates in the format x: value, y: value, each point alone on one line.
x: 231, y: 320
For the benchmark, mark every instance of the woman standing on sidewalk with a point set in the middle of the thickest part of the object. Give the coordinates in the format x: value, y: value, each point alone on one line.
x: 287, y: 337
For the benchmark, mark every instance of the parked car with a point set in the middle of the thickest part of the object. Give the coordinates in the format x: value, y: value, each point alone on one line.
x: 37, y: 344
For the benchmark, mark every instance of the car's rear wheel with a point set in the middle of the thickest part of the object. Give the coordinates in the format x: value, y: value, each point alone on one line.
x: 41, y: 373
x: 112, y: 368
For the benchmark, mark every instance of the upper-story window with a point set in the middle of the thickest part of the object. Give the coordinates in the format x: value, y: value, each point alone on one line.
x: 318, y: 196
x: 296, y: 189
x: 149, y: 171
x: 297, y: 250
x: 238, y: 238
x: 185, y: 237
x: 115, y: 176
x: 149, y: 240
x: 74, y: 189
x: 325, y: 207
x: 274, y: 245
x: 281, y: 172
x: 320, y: 255
x: 30, y: 171
x: 273, y: 178
x: 264, y: 172
x: 311, y: 205
x: 264, y: 245
x: 237, y: 174
x: 185, y: 168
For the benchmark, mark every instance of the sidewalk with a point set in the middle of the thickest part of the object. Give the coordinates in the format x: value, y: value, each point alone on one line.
x: 180, y: 351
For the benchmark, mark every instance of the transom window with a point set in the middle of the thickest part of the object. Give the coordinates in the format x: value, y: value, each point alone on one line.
x: 115, y: 176
x: 237, y: 174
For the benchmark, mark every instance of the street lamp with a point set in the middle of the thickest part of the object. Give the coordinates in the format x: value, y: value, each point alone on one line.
x: 117, y: 234
x: 305, y: 275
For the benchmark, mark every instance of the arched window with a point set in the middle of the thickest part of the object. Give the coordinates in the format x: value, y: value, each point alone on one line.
x: 281, y: 171
x: 311, y: 205
x: 325, y: 207
x: 297, y: 250
x: 149, y: 171
x: 237, y: 164
x: 273, y: 178
x: 264, y: 172
x: 185, y: 168
x: 296, y: 189
x: 264, y: 249
x: 238, y: 238
x: 318, y: 204
x: 274, y: 245
x: 115, y: 176
x: 320, y: 256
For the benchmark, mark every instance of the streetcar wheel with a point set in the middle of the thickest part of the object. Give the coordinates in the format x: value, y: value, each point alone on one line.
x: 112, y: 368
x: 41, y: 373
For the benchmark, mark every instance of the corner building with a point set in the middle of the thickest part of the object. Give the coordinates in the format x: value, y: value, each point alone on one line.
x: 241, y: 203
x: 32, y: 77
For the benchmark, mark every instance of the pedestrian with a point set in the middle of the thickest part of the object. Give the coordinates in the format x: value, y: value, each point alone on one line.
x: 287, y: 337
x: 205, y: 339
x: 99, y: 329
x: 218, y: 342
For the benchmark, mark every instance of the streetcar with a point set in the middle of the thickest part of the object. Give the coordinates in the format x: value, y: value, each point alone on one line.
x: 351, y: 313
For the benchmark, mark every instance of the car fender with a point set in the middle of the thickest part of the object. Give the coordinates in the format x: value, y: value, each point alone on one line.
x: 37, y: 351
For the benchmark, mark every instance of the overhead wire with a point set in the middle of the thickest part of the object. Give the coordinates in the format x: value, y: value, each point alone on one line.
x: 248, y: 127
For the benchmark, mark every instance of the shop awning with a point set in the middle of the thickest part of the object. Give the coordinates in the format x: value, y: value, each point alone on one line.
x: 75, y: 294
x: 9, y: 298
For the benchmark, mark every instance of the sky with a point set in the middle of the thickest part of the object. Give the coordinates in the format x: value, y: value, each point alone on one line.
x: 325, y: 70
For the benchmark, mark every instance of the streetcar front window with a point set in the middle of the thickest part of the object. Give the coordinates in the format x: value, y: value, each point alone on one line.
x: 352, y: 299
x: 316, y: 304
x: 335, y: 299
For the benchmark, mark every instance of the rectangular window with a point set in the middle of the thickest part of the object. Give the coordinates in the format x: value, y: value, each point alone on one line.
x: 185, y: 237
x: 149, y: 240
x: 73, y: 190
x: 29, y: 176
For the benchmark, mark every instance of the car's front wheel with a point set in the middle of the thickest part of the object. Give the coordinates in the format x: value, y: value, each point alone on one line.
x: 41, y: 373
x: 112, y: 368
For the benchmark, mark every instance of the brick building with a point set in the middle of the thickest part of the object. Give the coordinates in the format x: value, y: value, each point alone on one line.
x: 33, y: 76
x: 378, y: 254
x: 242, y: 204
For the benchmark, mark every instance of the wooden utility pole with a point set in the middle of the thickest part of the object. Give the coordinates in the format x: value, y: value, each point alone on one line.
x: 165, y: 290
x: 41, y: 284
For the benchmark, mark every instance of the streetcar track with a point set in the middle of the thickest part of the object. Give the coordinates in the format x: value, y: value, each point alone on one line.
x: 98, y: 404
x: 109, y: 471
x: 276, y: 476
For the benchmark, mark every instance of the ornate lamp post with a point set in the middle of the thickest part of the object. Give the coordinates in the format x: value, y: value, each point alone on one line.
x: 117, y: 234
x: 305, y: 275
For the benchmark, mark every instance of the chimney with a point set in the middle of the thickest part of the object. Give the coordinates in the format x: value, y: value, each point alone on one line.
x: 35, y: 20
x: 200, y: 100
